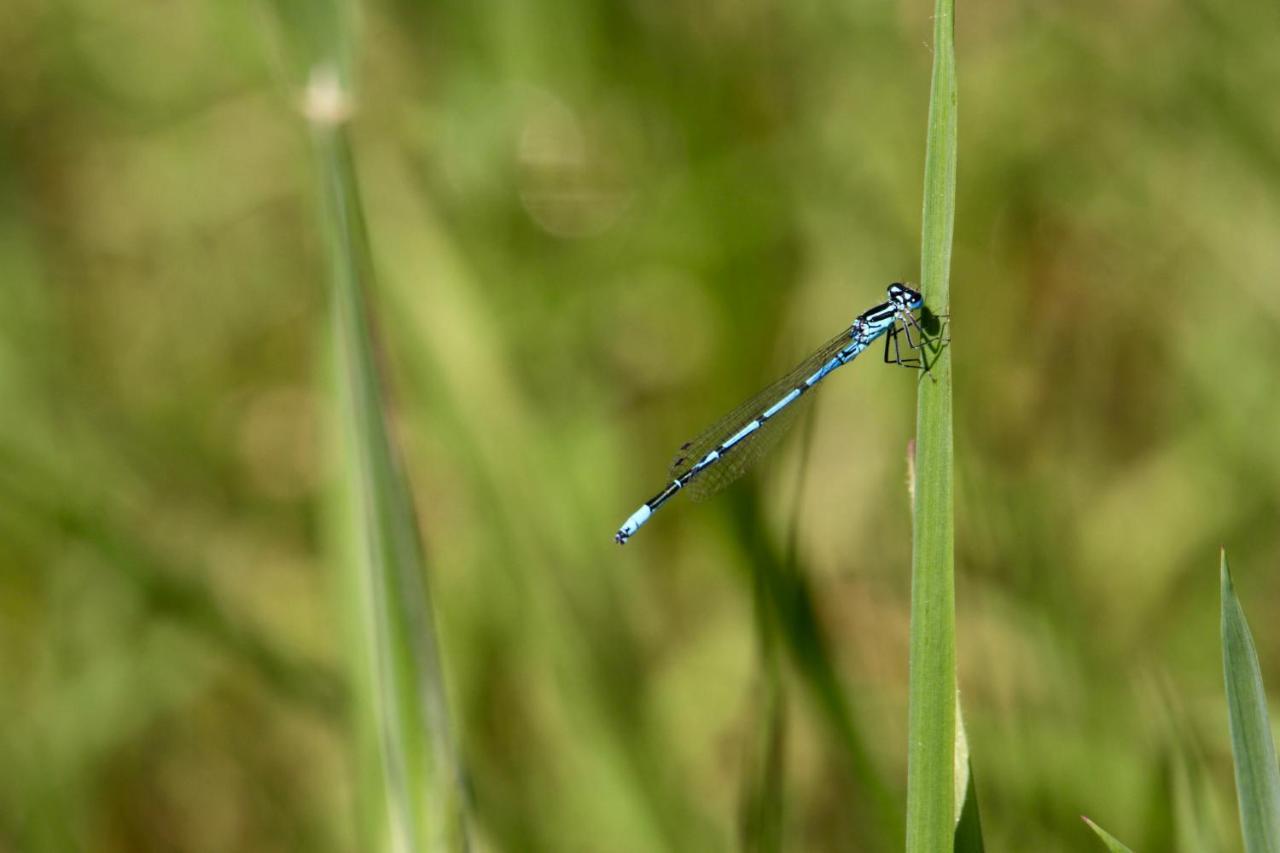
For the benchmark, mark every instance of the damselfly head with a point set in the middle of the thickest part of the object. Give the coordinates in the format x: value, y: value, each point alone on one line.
x: 905, y: 296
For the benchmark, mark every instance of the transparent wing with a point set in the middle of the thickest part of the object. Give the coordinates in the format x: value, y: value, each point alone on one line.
x: 739, y: 458
x: 743, y: 455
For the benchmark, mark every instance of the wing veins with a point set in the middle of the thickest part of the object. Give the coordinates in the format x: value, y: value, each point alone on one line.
x: 738, y: 459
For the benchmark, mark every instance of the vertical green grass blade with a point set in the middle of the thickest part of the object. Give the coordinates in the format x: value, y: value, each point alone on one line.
x: 412, y: 783
x: 932, y: 687
x: 761, y: 813
x: 1108, y: 839
x: 1254, y: 752
x: 1195, y: 830
x: 801, y: 633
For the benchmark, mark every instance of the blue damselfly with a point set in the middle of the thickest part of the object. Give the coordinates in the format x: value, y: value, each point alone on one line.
x: 724, y: 450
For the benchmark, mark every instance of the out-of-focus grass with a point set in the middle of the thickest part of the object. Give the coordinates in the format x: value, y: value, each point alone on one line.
x: 792, y: 611
x: 1110, y: 841
x: 415, y: 799
x: 598, y: 226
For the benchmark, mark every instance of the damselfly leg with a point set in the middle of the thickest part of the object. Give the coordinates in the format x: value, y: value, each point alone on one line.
x: 891, y: 343
x: 918, y: 339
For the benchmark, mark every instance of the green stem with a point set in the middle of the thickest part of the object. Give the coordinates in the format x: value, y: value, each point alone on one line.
x: 931, y: 718
x: 416, y: 791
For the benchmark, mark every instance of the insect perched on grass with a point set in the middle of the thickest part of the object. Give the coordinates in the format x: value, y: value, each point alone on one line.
x: 725, y: 449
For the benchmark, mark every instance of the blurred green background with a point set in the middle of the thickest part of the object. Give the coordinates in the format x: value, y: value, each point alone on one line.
x: 597, y: 226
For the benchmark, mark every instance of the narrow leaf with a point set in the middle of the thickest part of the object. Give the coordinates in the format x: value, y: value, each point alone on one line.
x: 968, y: 836
x: 801, y: 634
x: 1108, y: 839
x: 1254, y: 752
x: 413, y: 786
x: 969, y: 826
x: 931, y: 691
x: 1192, y: 807
x: 761, y: 816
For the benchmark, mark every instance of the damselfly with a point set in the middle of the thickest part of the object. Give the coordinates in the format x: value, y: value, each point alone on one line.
x: 725, y: 449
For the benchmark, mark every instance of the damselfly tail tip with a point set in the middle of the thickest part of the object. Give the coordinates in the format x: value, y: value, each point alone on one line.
x: 632, y: 524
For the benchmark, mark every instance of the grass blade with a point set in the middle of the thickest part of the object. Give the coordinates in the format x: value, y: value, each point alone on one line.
x: 968, y: 835
x: 932, y: 687
x: 761, y: 821
x: 1254, y: 752
x: 414, y: 792
x: 968, y: 838
x: 802, y: 634
x: 1114, y: 845
x: 1190, y: 811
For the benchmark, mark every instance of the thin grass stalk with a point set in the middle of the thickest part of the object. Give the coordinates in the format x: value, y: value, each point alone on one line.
x: 1112, y: 843
x: 418, y: 779
x: 763, y: 820
x: 932, y: 682
x: 761, y: 810
x: 801, y: 633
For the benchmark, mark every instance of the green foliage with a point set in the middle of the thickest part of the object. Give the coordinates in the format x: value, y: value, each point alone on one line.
x: 596, y: 226
x: 1107, y: 838
x: 417, y: 783
x: 931, y: 726
x: 968, y: 832
x: 1252, y: 747
x: 788, y: 614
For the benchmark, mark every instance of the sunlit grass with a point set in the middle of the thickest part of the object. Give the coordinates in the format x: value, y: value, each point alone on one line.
x: 414, y: 797
x: 173, y: 666
x: 1252, y: 746
x: 1112, y: 843
x: 931, y: 762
